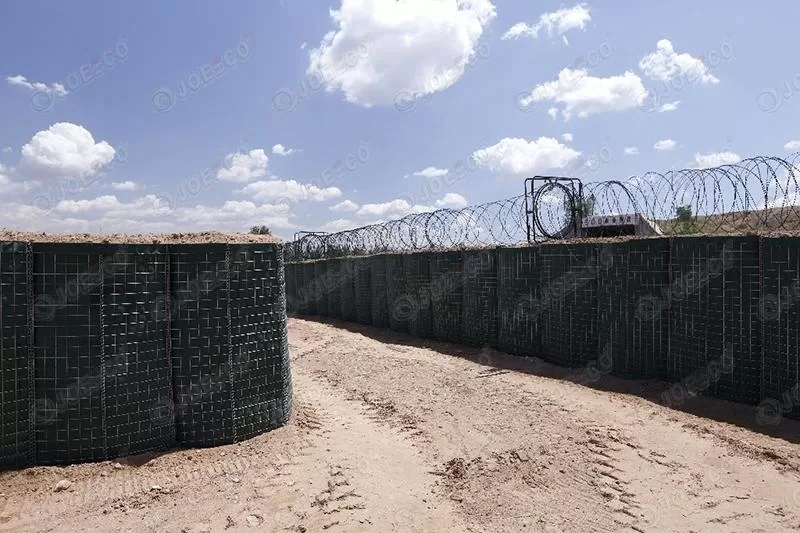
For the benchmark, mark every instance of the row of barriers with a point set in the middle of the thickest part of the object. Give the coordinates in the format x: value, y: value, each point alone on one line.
x: 714, y: 315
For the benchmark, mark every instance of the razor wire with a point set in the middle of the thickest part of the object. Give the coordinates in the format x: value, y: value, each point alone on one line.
x: 755, y: 195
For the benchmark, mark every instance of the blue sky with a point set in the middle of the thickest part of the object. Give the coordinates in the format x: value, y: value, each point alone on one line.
x: 164, y: 116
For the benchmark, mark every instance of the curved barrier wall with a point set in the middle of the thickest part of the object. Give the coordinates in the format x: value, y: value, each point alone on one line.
x: 109, y: 350
x: 714, y: 315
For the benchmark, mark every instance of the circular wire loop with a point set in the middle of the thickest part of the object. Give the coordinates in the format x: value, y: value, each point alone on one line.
x: 760, y: 194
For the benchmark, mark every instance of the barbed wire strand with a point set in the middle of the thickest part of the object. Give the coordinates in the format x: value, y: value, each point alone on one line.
x: 756, y: 195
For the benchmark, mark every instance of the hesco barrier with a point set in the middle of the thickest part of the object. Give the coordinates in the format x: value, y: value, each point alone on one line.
x: 109, y: 350
x: 715, y: 315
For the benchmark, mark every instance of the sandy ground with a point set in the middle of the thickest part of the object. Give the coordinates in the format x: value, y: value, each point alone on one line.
x: 396, y: 434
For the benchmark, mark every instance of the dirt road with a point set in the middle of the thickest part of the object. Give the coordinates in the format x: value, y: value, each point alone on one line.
x: 395, y: 434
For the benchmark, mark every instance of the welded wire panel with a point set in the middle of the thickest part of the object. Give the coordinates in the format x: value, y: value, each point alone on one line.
x: 290, y: 270
x: 363, y: 285
x: 68, y: 354
x: 316, y: 284
x: 16, y: 441
x: 139, y: 414
x: 480, y: 298
x: 332, y: 287
x: 566, y: 308
x: 397, y: 301
x: 780, y: 312
x: 447, y: 295
x: 518, y: 296
x: 715, y: 328
x: 201, y: 344
x: 417, y: 270
x: 378, y: 291
x: 258, y: 341
x: 645, y: 319
x: 348, y: 290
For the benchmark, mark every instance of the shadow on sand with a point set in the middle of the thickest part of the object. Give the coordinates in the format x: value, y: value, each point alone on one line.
x: 744, y: 416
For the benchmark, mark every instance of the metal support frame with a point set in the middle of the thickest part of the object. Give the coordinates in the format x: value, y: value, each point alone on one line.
x: 572, y: 187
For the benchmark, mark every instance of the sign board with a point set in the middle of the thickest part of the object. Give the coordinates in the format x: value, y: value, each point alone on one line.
x: 610, y: 220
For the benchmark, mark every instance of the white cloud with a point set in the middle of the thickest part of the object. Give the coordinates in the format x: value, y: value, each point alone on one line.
x: 244, y: 166
x: 553, y: 112
x: 55, y: 89
x: 146, y: 214
x: 716, y: 159
x: 567, y: 137
x: 340, y: 224
x: 8, y: 186
x: 7, y: 150
x: 792, y: 146
x: 401, y: 207
x: 520, y: 156
x: 280, y: 149
x: 585, y: 95
x: 344, y: 207
x: 393, y: 209
x: 665, y: 145
x: 451, y: 200
x: 669, y: 106
x: 380, y: 50
x: 665, y: 65
x: 431, y: 172
x: 553, y: 23
x: 631, y: 150
x: 109, y: 206
x: 125, y: 185
x: 289, y: 190
x: 232, y: 214
x: 65, y: 149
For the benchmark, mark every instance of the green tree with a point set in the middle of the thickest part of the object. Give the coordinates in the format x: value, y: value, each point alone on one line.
x: 260, y: 230
x: 583, y: 205
x: 684, y: 220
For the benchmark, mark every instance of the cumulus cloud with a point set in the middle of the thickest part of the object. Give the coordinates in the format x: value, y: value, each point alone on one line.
x: 665, y: 145
x: 669, y: 106
x: 127, y: 185
x: 451, y: 200
x: 393, y: 209
x: 432, y: 172
x: 9, y: 186
x: 553, y: 23
x: 631, y: 150
x: 401, y: 207
x: 280, y: 149
x: 55, y: 89
x: 232, y: 214
x: 520, y: 157
x: 344, y: 207
x: 792, y: 146
x: 585, y: 95
x: 340, y: 224
x: 244, y: 166
x: 380, y: 50
x: 148, y: 213
x: 716, y: 159
x: 567, y: 137
x: 7, y: 150
x: 65, y: 149
x: 289, y: 190
x: 109, y: 206
x: 665, y: 65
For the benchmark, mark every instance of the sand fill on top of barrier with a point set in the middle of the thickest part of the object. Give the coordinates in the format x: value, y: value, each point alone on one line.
x: 204, y: 237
